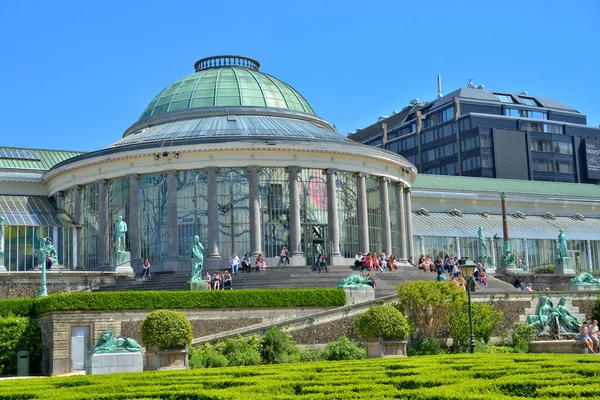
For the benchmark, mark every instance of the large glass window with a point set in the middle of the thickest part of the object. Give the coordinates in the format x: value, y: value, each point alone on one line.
x: 153, y: 216
x: 234, y: 211
x: 275, y: 210
x: 439, y: 117
x: 89, y: 195
x: 514, y: 112
x: 118, y: 206
x: 471, y: 163
x: 505, y: 98
x: 346, y: 193
x: 541, y: 127
x: 551, y: 146
x: 192, y: 209
x: 530, y: 102
x: 313, y: 214
x: 469, y: 143
x: 374, y: 214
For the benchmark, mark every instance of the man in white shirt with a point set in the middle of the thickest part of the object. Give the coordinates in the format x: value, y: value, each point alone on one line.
x: 359, y: 261
x: 595, y: 334
x: 234, y: 263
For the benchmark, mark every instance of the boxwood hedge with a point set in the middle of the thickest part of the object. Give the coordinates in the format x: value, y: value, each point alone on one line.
x: 446, y: 377
x: 174, y: 300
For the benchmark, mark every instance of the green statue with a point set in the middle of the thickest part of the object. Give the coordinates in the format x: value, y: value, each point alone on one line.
x: 120, y: 230
x: 107, y: 343
x: 508, y: 257
x: 197, y: 260
x: 568, y: 322
x: 46, y: 248
x: 585, y: 279
x: 562, y: 244
x: 543, y: 317
x: 483, y: 249
x: 354, y: 281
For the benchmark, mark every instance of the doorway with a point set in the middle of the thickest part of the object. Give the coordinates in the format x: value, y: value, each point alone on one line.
x: 80, y: 345
x: 315, y: 238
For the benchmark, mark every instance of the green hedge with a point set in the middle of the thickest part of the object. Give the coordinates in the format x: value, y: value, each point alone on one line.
x: 445, y: 377
x: 174, y: 300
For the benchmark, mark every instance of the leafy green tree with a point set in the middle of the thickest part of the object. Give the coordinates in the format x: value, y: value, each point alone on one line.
x: 278, y: 347
x: 16, y: 334
x: 343, y: 349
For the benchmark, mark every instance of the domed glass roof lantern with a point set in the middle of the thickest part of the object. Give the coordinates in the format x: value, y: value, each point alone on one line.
x: 226, y: 81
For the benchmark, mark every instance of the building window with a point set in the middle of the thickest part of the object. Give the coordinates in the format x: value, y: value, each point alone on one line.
x: 439, y: 117
x: 430, y: 155
x: 514, y: 112
x: 464, y: 124
x: 437, y: 133
x: 530, y: 102
x: 408, y: 143
x: 505, y: 98
x: 485, y: 141
x: 562, y: 147
x: 563, y: 166
x: 471, y: 163
x: 469, y: 143
x: 551, y: 146
x: 394, y: 146
x: 447, y: 150
x: 412, y: 159
x: 559, y: 166
x: 541, y: 127
x: 487, y: 161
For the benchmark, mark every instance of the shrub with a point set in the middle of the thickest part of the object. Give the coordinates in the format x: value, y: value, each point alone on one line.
x: 309, y: 354
x: 166, y: 329
x: 240, y: 351
x: 382, y: 321
x: 343, y: 349
x: 596, y: 310
x: 423, y: 302
x: 18, y: 333
x: 485, y: 320
x: 544, y: 269
x: 424, y: 347
x: 207, y: 357
x: 18, y: 307
x: 518, y: 337
x: 278, y: 347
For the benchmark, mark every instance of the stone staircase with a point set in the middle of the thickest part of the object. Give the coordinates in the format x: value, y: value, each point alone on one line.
x: 294, y: 277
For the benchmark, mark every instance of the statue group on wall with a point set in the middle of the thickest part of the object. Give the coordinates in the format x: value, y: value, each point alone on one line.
x: 107, y: 343
x: 549, y: 319
x: 355, y: 281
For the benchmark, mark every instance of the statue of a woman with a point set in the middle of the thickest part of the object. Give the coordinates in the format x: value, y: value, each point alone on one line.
x: 562, y: 244
x: 567, y: 320
x: 542, y: 318
x: 197, y: 259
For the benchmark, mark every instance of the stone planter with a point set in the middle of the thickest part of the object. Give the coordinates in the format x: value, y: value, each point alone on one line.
x: 166, y: 359
x: 380, y: 348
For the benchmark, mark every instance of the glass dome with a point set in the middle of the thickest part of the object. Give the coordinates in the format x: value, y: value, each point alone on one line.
x: 225, y: 81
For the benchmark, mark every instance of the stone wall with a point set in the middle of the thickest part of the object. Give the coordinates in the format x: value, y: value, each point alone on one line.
x: 542, y: 281
x: 15, y: 285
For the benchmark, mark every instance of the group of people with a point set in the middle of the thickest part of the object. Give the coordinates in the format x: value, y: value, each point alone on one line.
x: 590, y: 335
x: 218, y: 281
x: 245, y: 264
x: 373, y: 262
x: 519, y: 283
x: 451, y: 265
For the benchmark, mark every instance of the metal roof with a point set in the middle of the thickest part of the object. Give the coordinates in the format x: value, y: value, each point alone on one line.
x: 31, y: 211
x: 471, y: 184
x: 532, y: 227
x: 232, y: 126
x: 226, y: 86
x: 47, y: 159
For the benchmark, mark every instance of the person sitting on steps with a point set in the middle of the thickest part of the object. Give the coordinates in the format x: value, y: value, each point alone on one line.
x: 217, y: 280
x: 227, y: 281
x: 283, y: 256
x: 359, y: 261
x: 146, y: 268
x: 321, y: 264
x: 246, y: 263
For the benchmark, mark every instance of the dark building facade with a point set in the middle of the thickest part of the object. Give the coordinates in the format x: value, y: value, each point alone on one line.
x: 476, y: 132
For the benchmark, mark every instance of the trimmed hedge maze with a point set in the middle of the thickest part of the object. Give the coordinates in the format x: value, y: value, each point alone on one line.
x: 456, y: 377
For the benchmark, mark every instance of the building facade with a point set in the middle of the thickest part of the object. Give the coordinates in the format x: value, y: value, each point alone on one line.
x: 476, y: 132
x: 239, y: 158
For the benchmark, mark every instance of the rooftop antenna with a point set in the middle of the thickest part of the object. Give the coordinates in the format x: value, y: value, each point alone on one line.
x: 440, y: 95
x: 471, y: 85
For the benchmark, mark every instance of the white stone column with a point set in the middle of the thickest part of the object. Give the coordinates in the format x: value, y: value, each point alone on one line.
x: 172, y: 232
x: 409, y: 227
x: 133, y: 228
x: 526, y: 253
x: 297, y: 257
x: 492, y: 247
x: 2, y: 266
x: 588, y: 248
x: 362, y: 213
x: 254, y: 200
x: 401, y: 215
x: 333, y: 219
x: 386, y: 225
x: 103, y: 228
x: 75, y: 249
x: 57, y: 234
x: 422, y: 243
x: 213, y: 214
x: 78, y: 231
x: 457, y: 241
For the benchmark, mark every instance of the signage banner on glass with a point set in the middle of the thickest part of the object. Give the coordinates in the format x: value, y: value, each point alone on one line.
x: 592, y: 157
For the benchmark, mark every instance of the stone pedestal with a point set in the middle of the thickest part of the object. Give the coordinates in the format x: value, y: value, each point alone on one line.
x: 359, y: 295
x: 2, y: 267
x: 379, y: 348
x: 110, y: 363
x: 563, y: 266
x: 196, y: 285
x: 159, y: 359
x: 121, y: 263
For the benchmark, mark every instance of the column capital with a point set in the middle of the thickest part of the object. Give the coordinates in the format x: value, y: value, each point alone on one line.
x: 362, y: 174
x: 133, y: 176
x: 331, y: 171
x: 294, y: 168
x: 211, y: 169
x: 385, y: 179
x: 74, y: 187
x: 252, y: 168
x: 408, y: 189
x: 168, y: 172
x: 101, y: 181
x: 400, y: 184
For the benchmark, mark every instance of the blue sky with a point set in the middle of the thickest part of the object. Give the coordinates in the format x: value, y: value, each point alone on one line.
x: 75, y: 75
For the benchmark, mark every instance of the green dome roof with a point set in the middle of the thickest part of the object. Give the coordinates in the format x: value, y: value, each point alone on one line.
x: 236, y: 82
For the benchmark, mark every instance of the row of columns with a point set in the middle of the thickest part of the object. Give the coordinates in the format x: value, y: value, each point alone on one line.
x: 402, y: 193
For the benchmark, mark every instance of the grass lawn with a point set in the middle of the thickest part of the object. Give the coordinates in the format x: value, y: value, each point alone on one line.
x: 463, y: 376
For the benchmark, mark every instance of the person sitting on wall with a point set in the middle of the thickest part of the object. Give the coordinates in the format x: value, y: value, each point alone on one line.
x: 216, y: 281
x: 383, y: 261
x: 411, y: 261
x: 368, y: 262
x: 392, y: 263
x: 359, y: 261
x: 208, y: 280
x: 283, y: 256
x: 260, y: 263
x: 375, y: 260
x: 594, y: 332
x: 483, y: 277
x: 456, y: 271
x: 585, y: 336
x: 447, y: 264
x: 49, y: 261
x: 439, y: 264
x: 246, y: 265
x: 422, y: 261
x: 529, y: 287
x: 227, y: 281
x: 519, y: 283
x: 234, y: 263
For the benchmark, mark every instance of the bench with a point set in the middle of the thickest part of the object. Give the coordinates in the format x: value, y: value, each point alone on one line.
x: 568, y: 346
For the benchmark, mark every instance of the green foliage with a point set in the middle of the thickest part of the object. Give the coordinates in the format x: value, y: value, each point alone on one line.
x: 382, y: 321
x: 518, y: 337
x: 309, y: 354
x: 207, y: 357
x: 152, y: 300
x: 596, y: 310
x: 343, y: 349
x: 424, y: 347
x: 241, y: 351
x: 423, y: 302
x: 544, y: 269
x: 485, y: 320
x: 166, y: 329
x: 18, y: 333
x: 278, y: 347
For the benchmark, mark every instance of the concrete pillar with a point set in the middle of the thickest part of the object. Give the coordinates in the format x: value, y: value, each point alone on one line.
x: 75, y: 249
x: 422, y: 242
x: 362, y: 212
x: 457, y: 241
x: 213, y: 214
x: 386, y: 225
x: 526, y: 253
x: 409, y: 228
x: 492, y: 247
x: 588, y: 250
x: 172, y: 232
x: 58, y: 234
x: 401, y: 215
x: 133, y: 226
x: 78, y: 231
x: 103, y: 228
x: 254, y: 200
x: 296, y: 255
x: 333, y: 219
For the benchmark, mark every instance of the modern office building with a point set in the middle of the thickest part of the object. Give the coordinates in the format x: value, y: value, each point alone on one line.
x: 483, y: 133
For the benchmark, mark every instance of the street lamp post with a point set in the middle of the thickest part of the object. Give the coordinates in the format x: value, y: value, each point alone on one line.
x: 467, y: 269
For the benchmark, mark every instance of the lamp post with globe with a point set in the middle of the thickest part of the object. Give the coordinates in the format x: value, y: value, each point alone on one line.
x: 467, y: 269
